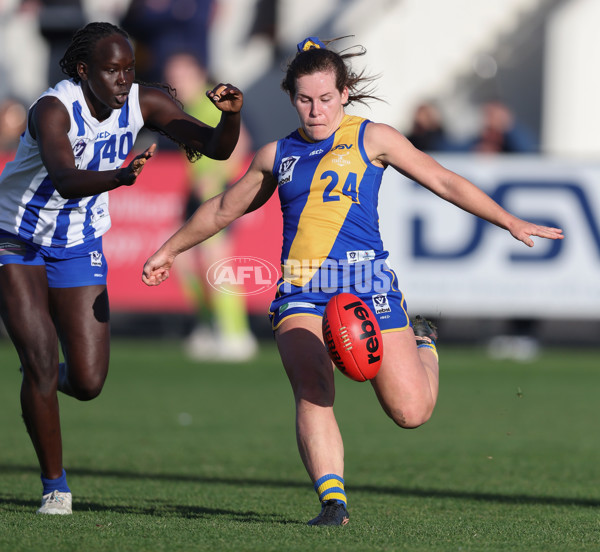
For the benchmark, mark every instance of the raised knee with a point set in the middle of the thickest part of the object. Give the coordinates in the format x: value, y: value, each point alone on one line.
x: 410, y: 418
x: 87, y: 394
x: 88, y: 390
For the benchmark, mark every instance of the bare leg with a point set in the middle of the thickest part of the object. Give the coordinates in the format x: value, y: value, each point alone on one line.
x: 310, y: 372
x: 26, y: 315
x: 82, y: 318
x: 408, y: 381
x: 31, y: 313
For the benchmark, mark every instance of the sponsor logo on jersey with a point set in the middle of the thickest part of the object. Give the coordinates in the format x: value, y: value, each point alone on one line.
x: 98, y: 212
x: 340, y: 152
x: 359, y: 256
x: 296, y: 305
x: 381, y: 303
x: 286, y: 169
x: 12, y: 247
x: 316, y: 152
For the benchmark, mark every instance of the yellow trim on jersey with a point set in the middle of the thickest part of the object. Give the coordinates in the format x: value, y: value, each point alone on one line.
x: 403, y: 329
x: 320, y: 222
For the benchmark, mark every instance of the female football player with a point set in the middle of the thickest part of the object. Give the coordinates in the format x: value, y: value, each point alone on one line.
x: 327, y: 174
x: 54, y: 211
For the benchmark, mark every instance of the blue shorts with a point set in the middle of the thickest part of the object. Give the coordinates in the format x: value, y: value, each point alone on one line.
x: 388, y: 307
x: 81, y: 265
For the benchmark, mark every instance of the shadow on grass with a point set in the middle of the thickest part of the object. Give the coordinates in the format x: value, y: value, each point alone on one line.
x: 186, y: 511
x: 161, y: 509
x: 189, y: 512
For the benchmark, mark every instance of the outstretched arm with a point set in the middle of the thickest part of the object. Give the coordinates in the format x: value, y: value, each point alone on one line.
x: 387, y: 146
x: 160, y: 111
x: 245, y: 196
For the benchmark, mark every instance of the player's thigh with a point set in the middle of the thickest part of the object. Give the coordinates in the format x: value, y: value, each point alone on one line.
x: 305, y: 359
x: 25, y: 312
x: 82, y: 318
x: 401, y: 368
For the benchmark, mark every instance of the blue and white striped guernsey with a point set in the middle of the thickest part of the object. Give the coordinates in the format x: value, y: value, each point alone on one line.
x: 31, y: 207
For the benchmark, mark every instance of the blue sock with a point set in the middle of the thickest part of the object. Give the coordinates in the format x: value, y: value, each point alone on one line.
x: 59, y: 484
x: 63, y: 378
x: 331, y: 487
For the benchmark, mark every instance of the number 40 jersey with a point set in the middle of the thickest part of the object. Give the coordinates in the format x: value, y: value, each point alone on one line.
x: 31, y: 207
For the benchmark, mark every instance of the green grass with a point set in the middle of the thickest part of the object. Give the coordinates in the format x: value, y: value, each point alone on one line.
x: 178, y: 456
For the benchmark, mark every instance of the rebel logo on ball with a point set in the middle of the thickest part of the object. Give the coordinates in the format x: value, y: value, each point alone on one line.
x: 352, y: 337
x: 369, y: 330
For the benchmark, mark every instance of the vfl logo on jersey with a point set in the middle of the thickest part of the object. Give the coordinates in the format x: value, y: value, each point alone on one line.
x: 95, y: 258
x: 286, y: 169
x: 341, y: 151
x: 381, y: 304
x: 79, y: 148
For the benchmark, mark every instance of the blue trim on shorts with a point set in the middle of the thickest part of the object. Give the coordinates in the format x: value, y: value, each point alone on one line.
x: 80, y: 265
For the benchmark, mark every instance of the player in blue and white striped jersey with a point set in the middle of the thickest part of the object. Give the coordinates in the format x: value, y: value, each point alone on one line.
x: 54, y: 211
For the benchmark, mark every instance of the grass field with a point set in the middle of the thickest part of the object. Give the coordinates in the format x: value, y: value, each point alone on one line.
x: 178, y: 456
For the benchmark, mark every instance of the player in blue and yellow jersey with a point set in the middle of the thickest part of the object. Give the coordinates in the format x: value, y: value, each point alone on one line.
x: 328, y: 174
x: 54, y: 211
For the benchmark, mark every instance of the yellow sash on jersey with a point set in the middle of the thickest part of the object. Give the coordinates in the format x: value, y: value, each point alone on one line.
x: 333, y: 190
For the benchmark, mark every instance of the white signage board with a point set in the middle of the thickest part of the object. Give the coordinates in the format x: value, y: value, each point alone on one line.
x: 452, y: 263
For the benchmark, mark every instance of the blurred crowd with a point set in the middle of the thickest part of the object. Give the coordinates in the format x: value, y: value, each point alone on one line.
x: 162, y: 28
x: 498, y: 131
x: 159, y: 29
x: 171, y: 39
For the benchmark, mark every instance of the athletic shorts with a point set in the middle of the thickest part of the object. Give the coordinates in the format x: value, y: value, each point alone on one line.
x: 81, y: 265
x: 388, y: 307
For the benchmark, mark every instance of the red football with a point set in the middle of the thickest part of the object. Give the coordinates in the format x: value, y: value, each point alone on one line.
x: 352, y: 337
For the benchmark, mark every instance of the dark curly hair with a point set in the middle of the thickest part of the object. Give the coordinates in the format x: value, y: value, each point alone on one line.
x: 82, y: 47
x: 314, y: 60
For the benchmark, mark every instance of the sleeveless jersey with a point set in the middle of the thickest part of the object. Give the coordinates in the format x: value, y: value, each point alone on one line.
x: 328, y: 192
x: 30, y: 206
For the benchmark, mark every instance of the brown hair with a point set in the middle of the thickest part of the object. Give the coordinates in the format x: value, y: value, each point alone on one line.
x: 317, y: 59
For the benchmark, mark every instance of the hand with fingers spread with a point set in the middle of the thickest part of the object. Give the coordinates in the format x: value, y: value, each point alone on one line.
x: 522, y: 230
x: 134, y: 169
